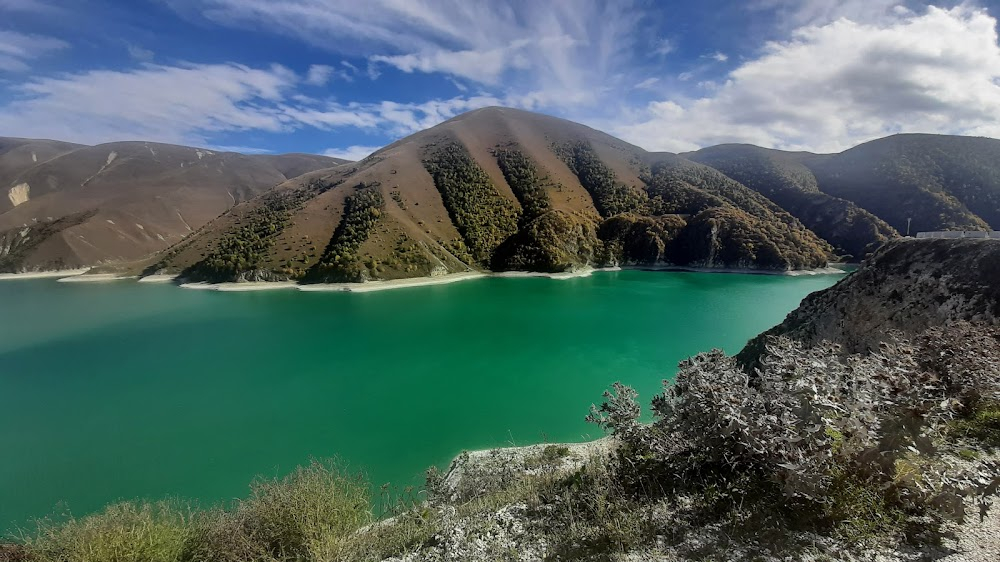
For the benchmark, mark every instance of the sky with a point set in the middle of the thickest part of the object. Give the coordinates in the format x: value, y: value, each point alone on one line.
x: 344, y: 77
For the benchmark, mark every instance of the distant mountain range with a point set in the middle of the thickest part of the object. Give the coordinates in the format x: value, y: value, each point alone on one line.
x: 492, y: 189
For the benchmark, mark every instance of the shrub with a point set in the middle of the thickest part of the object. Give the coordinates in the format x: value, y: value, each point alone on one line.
x: 483, y: 217
x: 241, y: 252
x: 340, y: 261
x: 124, y: 532
x: 610, y: 197
x: 554, y: 242
x: 982, y: 426
x: 819, y: 436
x: 305, y: 516
x: 522, y: 177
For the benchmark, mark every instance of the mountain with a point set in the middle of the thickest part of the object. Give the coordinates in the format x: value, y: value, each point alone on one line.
x: 784, y: 179
x: 497, y: 189
x: 493, y: 189
x: 68, y: 205
x: 940, y: 182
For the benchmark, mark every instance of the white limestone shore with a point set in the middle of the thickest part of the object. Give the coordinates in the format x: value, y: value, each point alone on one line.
x: 79, y: 276
x: 575, y: 274
x: 242, y: 287
x: 158, y: 278
x: 95, y: 278
x: 392, y: 284
x: 43, y: 274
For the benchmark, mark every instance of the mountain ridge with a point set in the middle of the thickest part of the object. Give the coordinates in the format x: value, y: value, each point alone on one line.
x: 499, y: 189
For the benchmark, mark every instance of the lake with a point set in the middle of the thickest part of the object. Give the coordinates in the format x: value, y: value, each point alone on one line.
x: 125, y: 390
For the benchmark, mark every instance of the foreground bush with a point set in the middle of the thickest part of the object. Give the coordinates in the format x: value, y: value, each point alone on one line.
x: 860, y: 446
x: 305, y: 516
x: 125, y: 532
x: 317, y: 513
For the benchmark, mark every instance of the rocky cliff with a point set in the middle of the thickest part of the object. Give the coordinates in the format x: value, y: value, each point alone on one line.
x: 908, y: 286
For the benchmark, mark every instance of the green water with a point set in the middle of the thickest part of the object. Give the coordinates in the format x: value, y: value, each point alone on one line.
x: 124, y: 390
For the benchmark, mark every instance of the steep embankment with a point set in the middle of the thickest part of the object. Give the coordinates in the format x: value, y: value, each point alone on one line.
x: 498, y: 189
x: 68, y: 205
x: 779, y: 176
x: 907, y: 286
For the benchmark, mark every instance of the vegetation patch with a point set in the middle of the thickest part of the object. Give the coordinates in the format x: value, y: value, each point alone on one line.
x: 732, y: 238
x: 631, y: 239
x: 125, y: 532
x: 483, y: 217
x: 341, y: 261
x: 611, y: 197
x: 318, y: 513
x: 981, y: 426
x: 240, y: 253
x: 853, y: 231
x: 522, y: 177
x: 930, y: 182
x: 554, y: 242
x: 852, y: 447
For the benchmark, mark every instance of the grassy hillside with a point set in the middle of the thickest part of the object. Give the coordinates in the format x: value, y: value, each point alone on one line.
x: 940, y: 182
x: 492, y: 189
x: 137, y: 197
x: 853, y: 231
x: 504, y: 189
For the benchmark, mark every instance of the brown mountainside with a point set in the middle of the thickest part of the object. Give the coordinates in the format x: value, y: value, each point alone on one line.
x: 68, y: 205
x: 498, y: 189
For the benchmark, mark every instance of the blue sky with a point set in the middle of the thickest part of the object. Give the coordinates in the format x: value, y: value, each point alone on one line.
x: 345, y: 77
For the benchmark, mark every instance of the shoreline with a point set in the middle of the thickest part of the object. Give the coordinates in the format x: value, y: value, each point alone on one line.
x: 79, y: 276
x: 372, y: 286
x: 241, y: 287
x: 44, y: 274
x: 562, y: 276
x: 828, y: 270
x: 95, y: 278
x: 158, y: 278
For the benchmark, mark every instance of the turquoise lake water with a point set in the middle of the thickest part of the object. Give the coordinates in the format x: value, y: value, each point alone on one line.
x: 127, y: 390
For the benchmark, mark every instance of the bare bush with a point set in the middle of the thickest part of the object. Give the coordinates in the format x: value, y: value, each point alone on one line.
x: 818, y: 433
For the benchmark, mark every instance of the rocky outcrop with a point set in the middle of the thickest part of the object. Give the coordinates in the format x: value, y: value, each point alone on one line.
x: 907, y: 286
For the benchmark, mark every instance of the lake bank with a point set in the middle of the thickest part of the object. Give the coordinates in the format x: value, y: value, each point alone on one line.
x: 81, y: 276
x: 43, y: 274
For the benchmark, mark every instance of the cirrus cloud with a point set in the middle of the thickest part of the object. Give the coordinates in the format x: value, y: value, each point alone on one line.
x: 191, y: 103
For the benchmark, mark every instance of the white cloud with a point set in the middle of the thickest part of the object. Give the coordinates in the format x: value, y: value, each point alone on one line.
x: 139, y: 54
x: 153, y: 102
x: 719, y: 56
x: 834, y: 85
x: 352, y: 153
x: 481, y: 66
x: 188, y: 104
x: 319, y: 74
x: 647, y: 84
x: 18, y: 48
x: 664, y: 47
x: 554, y: 50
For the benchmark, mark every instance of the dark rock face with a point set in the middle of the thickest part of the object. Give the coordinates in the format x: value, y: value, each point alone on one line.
x: 908, y: 286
